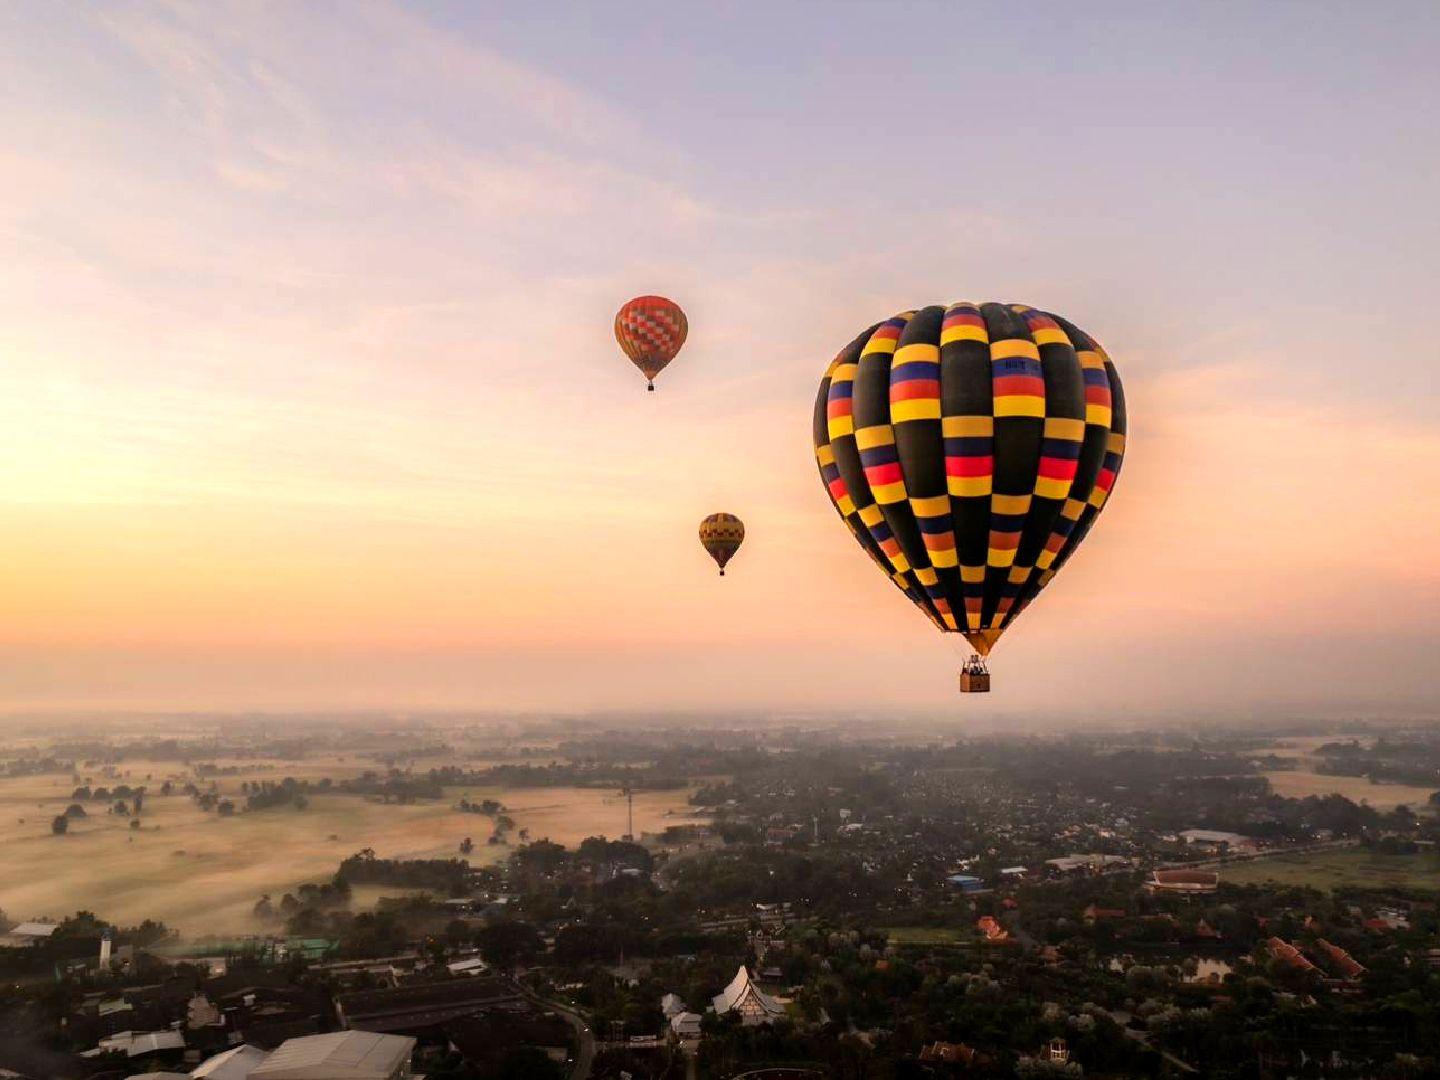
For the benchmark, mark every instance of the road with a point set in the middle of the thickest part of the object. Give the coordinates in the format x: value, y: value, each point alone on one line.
x: 1123, y: 1019
x: 1220, y: 862
x: 584, y: 1037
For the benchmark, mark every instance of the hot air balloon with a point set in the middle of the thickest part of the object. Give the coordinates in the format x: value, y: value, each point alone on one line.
x: 651, y: 329
x: 721, y: 535
x: 969, y: 450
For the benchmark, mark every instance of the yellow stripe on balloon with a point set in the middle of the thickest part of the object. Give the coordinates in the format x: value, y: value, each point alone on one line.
x: 1012, y: 347
x: 968, y: 486
x: 1000, y: 557
x: 1020, y: 405
x: 1047, y: 487
x: 867, y: 438
x: 1061, y: 427
x: 963, y: 332
x: 915, y: 409
x: 967, y: 427
x: 919, y: 353
x: 885, y: 494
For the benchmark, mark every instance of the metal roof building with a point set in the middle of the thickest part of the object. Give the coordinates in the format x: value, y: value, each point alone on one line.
x: 236, y: 1064
x: 340, y: 1055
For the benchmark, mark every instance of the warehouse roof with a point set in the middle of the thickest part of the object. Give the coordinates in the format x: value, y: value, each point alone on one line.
x: 351, y: 1055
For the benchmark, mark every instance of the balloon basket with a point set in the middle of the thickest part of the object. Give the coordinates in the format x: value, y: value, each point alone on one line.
x: 975, y: 676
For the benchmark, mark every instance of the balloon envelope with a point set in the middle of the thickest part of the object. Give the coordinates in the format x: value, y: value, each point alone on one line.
x: 650, y: 330
x: 721, y: 535
x: 969, y: 450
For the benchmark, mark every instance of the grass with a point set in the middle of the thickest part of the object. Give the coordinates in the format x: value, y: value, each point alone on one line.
x: 1297, y: 784
x: 202, y: 873
x: 1349, y: 867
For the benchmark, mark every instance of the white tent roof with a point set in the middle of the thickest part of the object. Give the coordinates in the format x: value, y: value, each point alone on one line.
x: 352, y: 1055
x: 671, y: 1004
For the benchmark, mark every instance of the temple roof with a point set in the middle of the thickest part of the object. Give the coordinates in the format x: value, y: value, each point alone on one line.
x: 742, y: 989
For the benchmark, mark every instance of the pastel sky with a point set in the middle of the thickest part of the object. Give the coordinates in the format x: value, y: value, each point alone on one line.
x: 309, y: 398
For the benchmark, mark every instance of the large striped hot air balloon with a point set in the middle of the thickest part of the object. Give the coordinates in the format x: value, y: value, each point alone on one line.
x: 721, y: 535
x: 650, y: 330
x: 969, y: 450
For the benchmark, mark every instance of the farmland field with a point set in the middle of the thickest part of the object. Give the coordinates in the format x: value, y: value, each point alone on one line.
x: 202, y: 873
x: 1298, y: 784
x: 1335, y: 869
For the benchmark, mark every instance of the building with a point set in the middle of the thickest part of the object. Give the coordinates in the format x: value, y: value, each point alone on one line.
x: 1197, y: 882
x: 139, y: 1043
x: 28, y: 934
x: 236, y: 1064
x: 419, y: 1007
x: 1220, y: 841
x: 1339, y: 961
x: 967, y: 883
x: 341, y: 1055
x: 1288, y: 955
x: 1072, y: 864
x: 201, y: 1012
x: 685, y: 1025
x: 742, y: 996
x: 949, y: 1053
x: 471, y: 966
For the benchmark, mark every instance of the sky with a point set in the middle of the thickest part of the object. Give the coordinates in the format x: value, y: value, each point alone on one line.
x: 309, y: 397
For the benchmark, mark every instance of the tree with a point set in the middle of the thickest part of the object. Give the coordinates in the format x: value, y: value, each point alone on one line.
x: 75, y: 810
x: 264, y: 909
x: 135, y: 823
x: 60, y: 825
x: 527, y: 1063
x: 225, y: 808
x: 505, y: 944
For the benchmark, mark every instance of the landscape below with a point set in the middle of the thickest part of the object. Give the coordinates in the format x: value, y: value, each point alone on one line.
x: 550, y: 898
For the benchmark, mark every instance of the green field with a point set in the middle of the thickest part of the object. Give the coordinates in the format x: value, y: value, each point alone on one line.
x: 1349, y: 867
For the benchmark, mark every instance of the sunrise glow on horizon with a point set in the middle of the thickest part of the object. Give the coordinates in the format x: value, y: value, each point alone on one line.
x: 309, y: 396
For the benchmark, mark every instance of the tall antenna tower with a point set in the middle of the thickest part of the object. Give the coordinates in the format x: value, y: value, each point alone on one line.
x: 629, y: 794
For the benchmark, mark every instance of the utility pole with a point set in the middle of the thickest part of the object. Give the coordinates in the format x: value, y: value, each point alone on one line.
x: 629, y: 794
